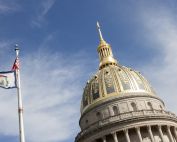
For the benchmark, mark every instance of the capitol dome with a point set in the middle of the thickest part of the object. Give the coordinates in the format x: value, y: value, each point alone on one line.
x: 112, y: 80
x: 119, y: 105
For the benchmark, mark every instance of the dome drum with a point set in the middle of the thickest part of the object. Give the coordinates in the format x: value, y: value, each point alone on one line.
x: 120, y: 107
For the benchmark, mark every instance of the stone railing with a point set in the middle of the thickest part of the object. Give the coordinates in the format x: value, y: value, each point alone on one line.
x: 127, y: 116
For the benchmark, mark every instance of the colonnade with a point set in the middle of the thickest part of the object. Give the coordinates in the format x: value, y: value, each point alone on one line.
x: 104, y: 52
x: 171, y: 132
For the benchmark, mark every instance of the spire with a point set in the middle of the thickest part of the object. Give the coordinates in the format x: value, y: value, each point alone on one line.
x: 99, y: 31
x: 104, y: 51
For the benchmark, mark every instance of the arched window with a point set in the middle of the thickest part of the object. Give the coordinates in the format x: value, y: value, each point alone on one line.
x: 150, y: 106
x: 134, y: 106
x: 98, y: 114
x: 115, y: 110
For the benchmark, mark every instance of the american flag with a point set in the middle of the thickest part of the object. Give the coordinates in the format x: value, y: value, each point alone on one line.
x: 16, y: 64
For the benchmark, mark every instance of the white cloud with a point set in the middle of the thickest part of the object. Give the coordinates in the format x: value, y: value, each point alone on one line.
x: 51, y: 88
x: 8, y: 6
x: 160, y: 27
x: 45, y: 6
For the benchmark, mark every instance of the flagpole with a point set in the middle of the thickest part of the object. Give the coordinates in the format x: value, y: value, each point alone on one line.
x: 20, y: 105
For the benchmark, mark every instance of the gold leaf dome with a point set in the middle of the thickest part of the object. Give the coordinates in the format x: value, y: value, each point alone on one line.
x: 112, y: 80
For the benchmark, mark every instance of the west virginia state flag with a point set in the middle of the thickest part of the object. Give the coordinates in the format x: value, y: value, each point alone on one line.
x: 8, y: 79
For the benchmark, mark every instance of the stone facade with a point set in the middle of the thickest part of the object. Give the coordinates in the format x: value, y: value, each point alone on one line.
x: 137, y: 118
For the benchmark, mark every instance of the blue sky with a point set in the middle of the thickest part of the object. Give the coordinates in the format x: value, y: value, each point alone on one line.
x: 58, y: 41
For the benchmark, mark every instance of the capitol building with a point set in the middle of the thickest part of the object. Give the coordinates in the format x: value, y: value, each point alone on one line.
x: 120, y: 105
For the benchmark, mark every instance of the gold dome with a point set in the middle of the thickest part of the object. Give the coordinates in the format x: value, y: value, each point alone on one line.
x: 112, y: 80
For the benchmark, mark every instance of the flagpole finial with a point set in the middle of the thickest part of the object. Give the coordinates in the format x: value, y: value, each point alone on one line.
x: 17, y: 49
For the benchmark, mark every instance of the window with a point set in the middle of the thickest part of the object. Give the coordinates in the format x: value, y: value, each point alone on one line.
x: 150, y: 106
x: 134, y: 106
x: 98, y: 114
x: 115, y: 110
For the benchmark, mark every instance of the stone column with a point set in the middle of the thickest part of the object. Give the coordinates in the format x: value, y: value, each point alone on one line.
x: 150, y: 133
x: 127, y: 135
x: 104, y: 53
x: 169, y: 134
x: 104, y: 139
x: 101, y: 53
x: 115, y: 137
x: 174, y: 129
x: 160, y: 132
x: 139, y: 134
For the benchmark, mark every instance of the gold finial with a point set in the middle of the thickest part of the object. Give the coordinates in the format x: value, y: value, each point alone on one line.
x: 99, y: 31
x: 105, y: 51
